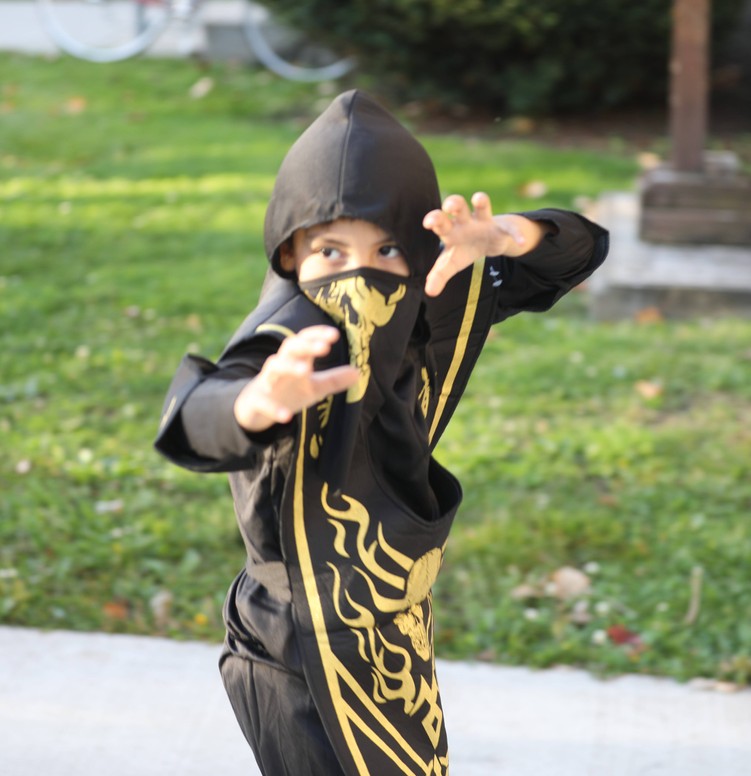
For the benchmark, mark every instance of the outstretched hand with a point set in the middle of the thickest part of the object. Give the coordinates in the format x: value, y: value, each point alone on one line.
x: 470, y: 235
x: 288, y: 383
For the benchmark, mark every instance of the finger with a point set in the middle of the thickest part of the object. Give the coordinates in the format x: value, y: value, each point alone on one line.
x: 482, y: 207
x: 307, y: 346
x: 334, y: 380
x: 438, y: 222
x: 320, y: 331
x: 457, y: 208
x: 321, y: 384
x: 442, y: 271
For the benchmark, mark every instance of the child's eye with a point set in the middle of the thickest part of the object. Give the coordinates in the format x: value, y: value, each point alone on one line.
x: 331, y: 253
x: 390, y: 252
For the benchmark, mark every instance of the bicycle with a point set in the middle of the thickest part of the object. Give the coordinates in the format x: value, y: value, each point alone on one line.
x: 114, y: 30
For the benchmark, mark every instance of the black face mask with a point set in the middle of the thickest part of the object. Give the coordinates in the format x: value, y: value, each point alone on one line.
x: 377, y: 312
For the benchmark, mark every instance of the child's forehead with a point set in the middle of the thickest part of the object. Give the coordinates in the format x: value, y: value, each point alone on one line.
x: 346, y: 227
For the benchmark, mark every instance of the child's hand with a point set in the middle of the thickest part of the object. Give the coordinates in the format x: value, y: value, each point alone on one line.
x: 288, y: 383
x: 469, y: 236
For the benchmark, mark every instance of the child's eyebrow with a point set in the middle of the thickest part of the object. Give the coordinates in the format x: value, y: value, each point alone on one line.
x: 328, y: 238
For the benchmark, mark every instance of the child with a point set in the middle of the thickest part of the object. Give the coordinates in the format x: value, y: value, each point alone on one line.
x: 325, y: 407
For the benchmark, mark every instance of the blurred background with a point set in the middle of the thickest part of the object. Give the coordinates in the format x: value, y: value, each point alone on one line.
x: 604, y: 447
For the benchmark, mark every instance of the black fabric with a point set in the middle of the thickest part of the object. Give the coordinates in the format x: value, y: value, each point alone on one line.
x: 279, y: 719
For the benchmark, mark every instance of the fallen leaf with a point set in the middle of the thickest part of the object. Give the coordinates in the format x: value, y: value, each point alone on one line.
x: 568, y: 582
x: 649, y: 389
x: 75, y: 105
x: 523, y: 592
x: 193, y: 322
x: 521, y: 125
x: 534, y: 189
x: 620, y: 634
x: 201, y: 88
x: 649, y: 315
x: 727, y: 687
x: 117, y: 609
x: 105, y: 507
x: 581, y: 615
x: 648, y: 160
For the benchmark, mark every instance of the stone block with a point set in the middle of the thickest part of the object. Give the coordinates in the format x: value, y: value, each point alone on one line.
x: 682, y: 281
x: 712, y: 207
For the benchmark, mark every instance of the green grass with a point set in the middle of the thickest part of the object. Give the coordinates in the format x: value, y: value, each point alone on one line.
x: 131, y: 230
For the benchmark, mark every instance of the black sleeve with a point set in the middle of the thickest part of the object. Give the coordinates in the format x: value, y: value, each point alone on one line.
x: 571, y: 250
x: 198, y: 429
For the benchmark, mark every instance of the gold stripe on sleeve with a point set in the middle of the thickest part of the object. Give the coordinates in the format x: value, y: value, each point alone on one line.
x: 461, y: 342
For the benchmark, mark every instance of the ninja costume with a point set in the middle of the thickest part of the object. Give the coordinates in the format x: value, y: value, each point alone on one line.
x: 345, y: 514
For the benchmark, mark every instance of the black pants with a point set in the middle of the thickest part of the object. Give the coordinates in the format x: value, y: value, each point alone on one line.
x: 279, y: 719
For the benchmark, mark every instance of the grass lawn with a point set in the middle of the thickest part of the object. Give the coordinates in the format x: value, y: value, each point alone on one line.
x: 131, y: 231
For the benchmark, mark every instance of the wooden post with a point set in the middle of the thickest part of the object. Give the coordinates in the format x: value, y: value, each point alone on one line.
x: 689, y: 69
x: 702, y: 197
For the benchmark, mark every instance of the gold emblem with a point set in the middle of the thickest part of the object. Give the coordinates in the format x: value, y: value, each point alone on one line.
x: 412, y: 623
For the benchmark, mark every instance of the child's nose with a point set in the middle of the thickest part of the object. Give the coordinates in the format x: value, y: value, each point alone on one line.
x: 363, y: 259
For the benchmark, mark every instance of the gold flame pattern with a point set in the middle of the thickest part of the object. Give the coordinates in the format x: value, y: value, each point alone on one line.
x: 405, y: 594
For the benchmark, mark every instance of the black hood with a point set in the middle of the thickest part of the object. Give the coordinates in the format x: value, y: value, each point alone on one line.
x: 356, y: 161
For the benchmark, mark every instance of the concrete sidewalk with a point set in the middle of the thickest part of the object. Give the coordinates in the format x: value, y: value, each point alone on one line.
x: 74, y: 704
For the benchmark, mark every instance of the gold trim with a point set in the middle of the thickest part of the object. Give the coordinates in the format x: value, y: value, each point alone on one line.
x: 388, y: 726
x: 461, y: 342
x: 275, y: 327
x: 335, y: 671
x: 316, y: 611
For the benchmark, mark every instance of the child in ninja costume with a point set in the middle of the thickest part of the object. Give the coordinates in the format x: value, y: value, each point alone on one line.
x: 325, y: 407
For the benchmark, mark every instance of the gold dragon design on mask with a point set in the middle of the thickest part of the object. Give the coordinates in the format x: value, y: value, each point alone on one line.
x: 360, y: 309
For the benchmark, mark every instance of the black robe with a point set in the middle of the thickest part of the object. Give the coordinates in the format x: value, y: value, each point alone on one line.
x: 345, y: 522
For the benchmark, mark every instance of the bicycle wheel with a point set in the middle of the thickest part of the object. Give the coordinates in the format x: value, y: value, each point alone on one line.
x: 105, y: 30
x: 256, y: 20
